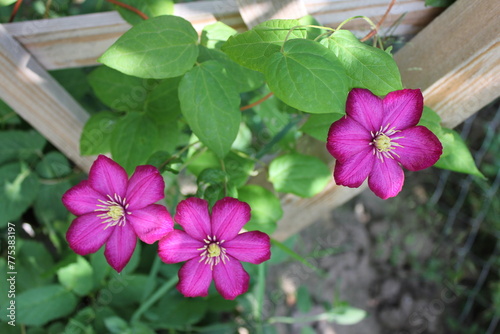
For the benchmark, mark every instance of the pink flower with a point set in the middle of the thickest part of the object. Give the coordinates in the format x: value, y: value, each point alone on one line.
x: 212, y: 247
x: 377, y: 137
x: 113, y: 210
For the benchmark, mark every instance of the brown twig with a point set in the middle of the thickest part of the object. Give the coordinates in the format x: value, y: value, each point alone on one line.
x: 377, y: 26
x: 14, y: 10
x: 132, y: 9
x: 256, y: 102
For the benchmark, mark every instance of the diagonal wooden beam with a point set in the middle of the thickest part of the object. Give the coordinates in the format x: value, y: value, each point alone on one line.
x: 77, y: 41
x: 28, y: 89
x: 455, y: 60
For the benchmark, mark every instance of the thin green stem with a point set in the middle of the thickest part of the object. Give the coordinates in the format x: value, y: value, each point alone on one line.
x: 367, y: 19
x: 303, y: 26
x: 178, y: 154
x: 297, y: 257
x: 223, y: 167
x: 154, y: 298
x: 259, y: 296
x: 150, y: 284
x: 295, y: 320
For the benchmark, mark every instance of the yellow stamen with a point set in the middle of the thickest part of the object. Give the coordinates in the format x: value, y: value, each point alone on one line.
x: 213, y: 250
x: 383, y: 143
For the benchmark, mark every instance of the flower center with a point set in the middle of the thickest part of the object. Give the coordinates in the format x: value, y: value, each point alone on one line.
x: 212, y: 252
x: 384, y: 144
x: 114, y: 211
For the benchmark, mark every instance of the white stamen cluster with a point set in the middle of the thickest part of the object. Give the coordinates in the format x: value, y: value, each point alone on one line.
x: 383, y: 144
x: 114, y: 211
x: 212, y: 252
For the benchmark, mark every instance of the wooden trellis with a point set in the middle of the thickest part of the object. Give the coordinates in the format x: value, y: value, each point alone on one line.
x: 454, y: 60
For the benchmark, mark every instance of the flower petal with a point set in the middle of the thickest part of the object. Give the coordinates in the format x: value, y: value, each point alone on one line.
x: 151, y: 223
x: 231, y: 280
x: 253, y: 247
x: 347, y: 137
x: 421, y: 148
x: 146, y: 186
x: 178, y: 246
x: 82, y: 199
x: 386, y: 179
x: 120, y: 246
x: 192, y: 215
x: 365, y: 108
x: 355, y: 170
x: 228, y: 218
x: 403, y: 108
x: 108, y: 177
x: 194, y: 279
x: 87, y: 234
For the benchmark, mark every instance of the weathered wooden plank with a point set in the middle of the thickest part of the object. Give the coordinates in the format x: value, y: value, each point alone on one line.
x: 28, y: 89
x: 455, y: 60
x: 254, y: 12
x: 78, y: 41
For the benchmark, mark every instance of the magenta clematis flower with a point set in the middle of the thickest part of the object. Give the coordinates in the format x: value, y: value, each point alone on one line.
x: 113, y: 210
x: 378, y: 136
x: 213, y: 248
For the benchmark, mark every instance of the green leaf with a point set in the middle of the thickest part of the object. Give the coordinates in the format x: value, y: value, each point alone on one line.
x: 81, y: 323
x: 245, y: 79
x: 237, y: 167
x: 48, y: 206
x: 279, y: 254
x: 312, y: 32
x: 164, y: 100
x: 8, y: 115
x: 20, y: 145
x: 73, y: 80
x: 317, y: 126
x: 266, y: 208
x: 212, y: 185
x: 96, y: 134
x: 210, y: 102
x: 6, y: 2
x: 34, y: 262
x: 163, y: 106
x: 38, y: 306
x: 214, y: 35
x: 243, y: 139
x: 307, y: 330
x: 116, y: 325
x: 307, y: 76
x: 161, y: 47
x: 439, y: 3
x: 151, y: 8
x: 100, y: 267
x: 253, y: 47
x: 367, y: 66
x: 299, y: 174
x: 456, y: 155
x: 347, y: 315
x: 53, y: 165
x: 304, y: 303
x: 179, y: 312
x: 77, y: 276
x: 18, y: 189
x: 131, y: 292
x: 120, y: 91
x: 431, y: 120
x: 133, y: 140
